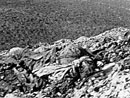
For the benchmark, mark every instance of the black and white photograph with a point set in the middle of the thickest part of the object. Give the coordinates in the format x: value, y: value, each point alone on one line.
x: 64, y: 48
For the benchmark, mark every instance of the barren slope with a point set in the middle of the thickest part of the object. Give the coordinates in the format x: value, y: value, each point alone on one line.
x: 27, y: 22
x: 96, y: 67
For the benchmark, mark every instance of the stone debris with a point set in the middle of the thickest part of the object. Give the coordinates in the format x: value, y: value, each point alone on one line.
x: 95, y: 67
x: 11, y: 96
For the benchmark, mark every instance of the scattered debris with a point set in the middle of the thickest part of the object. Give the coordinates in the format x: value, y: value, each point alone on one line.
x: 96, y: 67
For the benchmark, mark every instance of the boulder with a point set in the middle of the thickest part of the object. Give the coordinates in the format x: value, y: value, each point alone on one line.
x: 10, y: 96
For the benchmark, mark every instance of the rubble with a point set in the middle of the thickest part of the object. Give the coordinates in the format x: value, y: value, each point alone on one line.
x: 95, y: 67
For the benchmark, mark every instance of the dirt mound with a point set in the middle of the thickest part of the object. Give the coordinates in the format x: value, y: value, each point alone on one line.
x: 96, y: 67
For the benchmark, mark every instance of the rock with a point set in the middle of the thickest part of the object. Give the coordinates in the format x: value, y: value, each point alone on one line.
x: 11, y: 96
x: 39, y: 49
x: 37, y: 56
x: 110, y: 65
x: 66, y: 60
x: 15, y: 50
x: 99, y: 63
x: 69, y: 53
x: 81, y: 40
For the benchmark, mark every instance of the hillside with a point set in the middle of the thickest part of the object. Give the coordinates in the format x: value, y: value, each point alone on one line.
x: 27, y: 22
x: 94, y: 67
